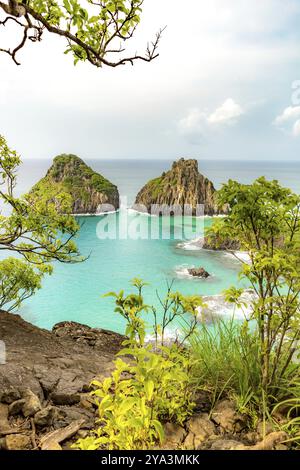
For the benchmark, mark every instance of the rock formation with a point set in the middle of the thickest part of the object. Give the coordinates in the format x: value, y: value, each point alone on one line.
x: 228, y: 244
x: 198, y: 272
x: 182, y: 185
x: 46, y: 379
x: 90, y: 192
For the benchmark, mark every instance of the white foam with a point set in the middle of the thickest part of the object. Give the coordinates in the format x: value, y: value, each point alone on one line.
x: 216, y: 306
x: 241, y: 256
x: 170, y: 335
x: 183, y: 271
x: 191, y: 245
x: 132, y: 211
x: 96, y: 214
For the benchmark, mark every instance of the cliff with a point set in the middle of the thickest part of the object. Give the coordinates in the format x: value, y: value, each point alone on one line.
x: 89, y: 190
x: 181, y: 185
x: 45, y: 380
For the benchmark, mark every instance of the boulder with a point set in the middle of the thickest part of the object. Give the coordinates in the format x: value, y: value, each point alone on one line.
x: 18, y: 442
x: 68, y: 414
x: 271, y: 441
x: 65, y: 398
x: 4, y: 424
x: 46, y: 417
x: 226, y: 416
x: 199, y: 272
x: 9, y: 394
x: 174, y: 436
x: 16, y: 407
x: 32, y: 404
x: 226, y: 444
x: 200, y: 428
x: 264, y: 428
x: 44, y: 365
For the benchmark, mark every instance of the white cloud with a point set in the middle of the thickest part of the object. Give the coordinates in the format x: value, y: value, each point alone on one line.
x: 227, y: 48
x: 296, y: 128
x: 289, y: 114
x: 289, y: 121
x: 198, y: 123
x: 228, y: 113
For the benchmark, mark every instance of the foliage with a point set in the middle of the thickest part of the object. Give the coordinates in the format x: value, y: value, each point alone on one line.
x: 291, y: 406
x: 226, y: 356
x: 131, y: 409
x: 147, y: 387
x: 18, y: 281
x: 174, y: 308
x: 265, y: 218
x: 71, y: 176
x: 34, y: 230
x: 95, y: 31
x: 218, y: 238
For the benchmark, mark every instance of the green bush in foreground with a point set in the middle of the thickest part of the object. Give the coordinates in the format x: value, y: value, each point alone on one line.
x: 265, y: 218
x: 150, y: 385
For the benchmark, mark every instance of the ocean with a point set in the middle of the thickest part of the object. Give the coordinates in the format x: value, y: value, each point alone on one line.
x: 75, y: 292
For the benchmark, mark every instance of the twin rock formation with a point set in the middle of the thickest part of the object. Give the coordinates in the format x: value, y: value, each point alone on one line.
x: 182, y: 185
x: 91, y: 193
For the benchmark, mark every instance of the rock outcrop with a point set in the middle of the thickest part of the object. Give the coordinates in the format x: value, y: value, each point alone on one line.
x: 214, y: 244
x: 90, y: 192
x: 182, y: 185
x: 226, y: 429
x: 45, y: 382
x: 198, y: 272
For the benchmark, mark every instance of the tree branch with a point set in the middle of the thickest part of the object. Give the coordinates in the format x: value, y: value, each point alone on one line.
x: 94, y: 48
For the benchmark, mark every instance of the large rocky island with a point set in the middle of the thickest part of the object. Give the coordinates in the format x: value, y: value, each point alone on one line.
x: 181, y: 185
x: 89, y: 190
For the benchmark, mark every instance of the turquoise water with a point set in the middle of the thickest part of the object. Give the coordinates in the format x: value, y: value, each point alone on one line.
x: 74, y: 292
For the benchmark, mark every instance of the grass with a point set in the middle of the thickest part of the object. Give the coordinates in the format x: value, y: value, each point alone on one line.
x: 227, y: 361
x: 227, y: 364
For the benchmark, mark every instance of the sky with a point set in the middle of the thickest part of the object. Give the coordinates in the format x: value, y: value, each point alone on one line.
x: 225, y: 86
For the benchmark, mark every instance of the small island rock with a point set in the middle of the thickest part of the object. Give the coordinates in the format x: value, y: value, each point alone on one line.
x: 180, y: 186
x: 90, y: 192
x: 198, y: 272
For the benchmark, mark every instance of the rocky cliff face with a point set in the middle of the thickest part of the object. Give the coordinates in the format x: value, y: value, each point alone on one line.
x: 183, y: 184
x: 89, y: 190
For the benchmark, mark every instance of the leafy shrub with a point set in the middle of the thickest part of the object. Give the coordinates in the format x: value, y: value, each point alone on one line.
x: 174, y: 308
x: 150, y: 384
x: 131, y: 409
x: 265, y: 218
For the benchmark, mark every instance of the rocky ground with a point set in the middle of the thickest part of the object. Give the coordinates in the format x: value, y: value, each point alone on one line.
x: 44, y: 385
x: 45, y: 402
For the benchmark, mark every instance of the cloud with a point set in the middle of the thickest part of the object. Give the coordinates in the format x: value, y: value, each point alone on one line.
x: 228, y: 113
x: 198, y: 123
x: 296, y: 128
x: 289, y: 120
x: 242, y: 49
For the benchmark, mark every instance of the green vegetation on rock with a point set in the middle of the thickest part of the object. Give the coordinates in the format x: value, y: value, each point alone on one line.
x: 180, y: 186
x: 69, y: 174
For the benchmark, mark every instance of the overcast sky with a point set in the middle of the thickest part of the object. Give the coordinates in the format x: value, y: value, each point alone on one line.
x: 221, y: 89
